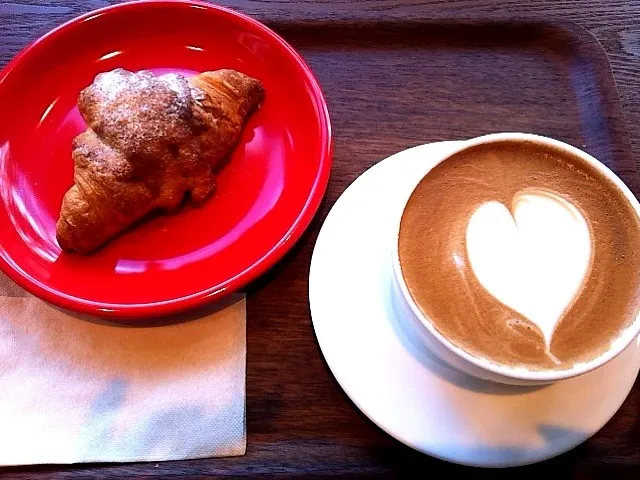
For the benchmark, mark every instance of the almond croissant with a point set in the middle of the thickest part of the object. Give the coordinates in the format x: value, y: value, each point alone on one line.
x: 150, y: 141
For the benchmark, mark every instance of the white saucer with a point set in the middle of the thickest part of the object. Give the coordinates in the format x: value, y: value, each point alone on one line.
x: 398, y: 384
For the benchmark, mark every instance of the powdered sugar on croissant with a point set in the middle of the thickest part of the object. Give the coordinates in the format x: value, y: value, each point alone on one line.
x: 150, y: 140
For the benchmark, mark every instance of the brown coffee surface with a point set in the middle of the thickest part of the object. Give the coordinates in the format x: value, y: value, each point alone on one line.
x: 433, y: 234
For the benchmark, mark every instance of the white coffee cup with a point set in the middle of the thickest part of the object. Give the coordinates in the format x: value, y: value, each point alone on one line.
x: 463, y: 360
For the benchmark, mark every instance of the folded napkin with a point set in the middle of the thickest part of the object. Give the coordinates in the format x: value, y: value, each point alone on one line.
x: 77, y: 389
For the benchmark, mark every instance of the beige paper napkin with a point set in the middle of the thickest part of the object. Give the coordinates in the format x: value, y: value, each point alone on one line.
x: 76, y: 389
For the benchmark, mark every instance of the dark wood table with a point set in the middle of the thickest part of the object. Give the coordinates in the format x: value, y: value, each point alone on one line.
x: 298, y: 419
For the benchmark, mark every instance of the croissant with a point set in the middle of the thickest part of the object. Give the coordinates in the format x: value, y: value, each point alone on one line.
x: 150, y: 142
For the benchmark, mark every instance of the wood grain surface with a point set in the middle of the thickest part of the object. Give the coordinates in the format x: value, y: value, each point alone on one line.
x: 299, y: 421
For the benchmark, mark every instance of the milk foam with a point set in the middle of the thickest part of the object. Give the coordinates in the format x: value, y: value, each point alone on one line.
x: 532, y: 258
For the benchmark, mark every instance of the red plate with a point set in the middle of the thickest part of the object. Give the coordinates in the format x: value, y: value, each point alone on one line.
x: 266, y: 195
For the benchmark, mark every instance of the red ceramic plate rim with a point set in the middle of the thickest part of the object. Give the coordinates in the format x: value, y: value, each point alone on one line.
x: 166, y: 307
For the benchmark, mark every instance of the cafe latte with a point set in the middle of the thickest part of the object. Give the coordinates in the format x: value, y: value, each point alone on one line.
x: 522, y: 254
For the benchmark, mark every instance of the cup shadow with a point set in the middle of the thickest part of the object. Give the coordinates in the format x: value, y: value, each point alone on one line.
x: 410, y: 339
x: 492, y: 456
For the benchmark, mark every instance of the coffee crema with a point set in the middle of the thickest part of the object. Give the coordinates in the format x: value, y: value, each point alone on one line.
x: 522, y: 254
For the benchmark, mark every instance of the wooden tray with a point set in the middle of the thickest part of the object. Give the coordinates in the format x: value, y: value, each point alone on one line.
x: 394, y: 85
x: 391, y: 86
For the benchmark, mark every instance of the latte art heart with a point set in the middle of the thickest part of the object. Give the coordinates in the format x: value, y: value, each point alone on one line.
x: 522, y: 254
x: 534, y: 258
